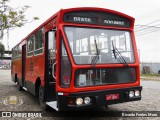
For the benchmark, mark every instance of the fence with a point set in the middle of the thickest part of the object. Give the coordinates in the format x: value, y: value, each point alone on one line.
x: 154, y: 67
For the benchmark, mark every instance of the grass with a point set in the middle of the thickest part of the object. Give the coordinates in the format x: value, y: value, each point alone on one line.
x: 150, y: 75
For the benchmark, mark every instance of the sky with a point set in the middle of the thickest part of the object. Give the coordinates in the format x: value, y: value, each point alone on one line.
x: 141, y: 10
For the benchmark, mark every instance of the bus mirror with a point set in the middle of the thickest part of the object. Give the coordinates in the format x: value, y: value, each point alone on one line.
x: 51, y: 40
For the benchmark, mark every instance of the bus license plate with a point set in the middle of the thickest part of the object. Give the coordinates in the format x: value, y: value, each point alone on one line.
x: 112, y: 97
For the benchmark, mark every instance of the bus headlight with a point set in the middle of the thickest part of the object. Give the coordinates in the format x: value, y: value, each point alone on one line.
x: 87, y: 100
x: 131, y: 94
x: 79, y: 101
x: 137, y: 93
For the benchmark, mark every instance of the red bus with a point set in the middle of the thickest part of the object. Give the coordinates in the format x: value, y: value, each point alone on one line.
x: 79, y: 58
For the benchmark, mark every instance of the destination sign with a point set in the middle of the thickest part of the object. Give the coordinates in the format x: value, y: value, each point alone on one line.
x: 82, y: 19
x: 114, y: 22
x: 97, y: 18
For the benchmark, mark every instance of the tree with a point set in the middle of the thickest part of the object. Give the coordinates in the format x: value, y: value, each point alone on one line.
x: 1, y: 50
x: 11, y: 18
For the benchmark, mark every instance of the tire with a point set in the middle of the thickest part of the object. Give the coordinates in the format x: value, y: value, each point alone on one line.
x: 19, y: 87
x: 106, y: 106
x: 42, y: 103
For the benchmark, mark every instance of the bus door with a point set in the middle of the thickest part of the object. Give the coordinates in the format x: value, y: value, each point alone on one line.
x: 23, y: 64
x: 51, y: 65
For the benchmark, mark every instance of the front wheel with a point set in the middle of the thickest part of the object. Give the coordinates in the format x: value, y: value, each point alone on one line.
x: 41, y: 98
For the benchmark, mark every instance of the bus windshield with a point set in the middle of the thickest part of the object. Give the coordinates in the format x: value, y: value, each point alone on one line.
x: 84, y: 48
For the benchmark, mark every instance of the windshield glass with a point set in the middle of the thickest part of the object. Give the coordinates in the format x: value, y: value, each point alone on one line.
x: 83, y: 45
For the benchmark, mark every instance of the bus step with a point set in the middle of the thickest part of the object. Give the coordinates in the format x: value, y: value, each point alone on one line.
x: 25, y: 88
x: 53, y: 104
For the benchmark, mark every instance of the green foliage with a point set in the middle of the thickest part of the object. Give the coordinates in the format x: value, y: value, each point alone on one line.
x: 11, y: 18
x: 150, y: 75
x: 1, y: 49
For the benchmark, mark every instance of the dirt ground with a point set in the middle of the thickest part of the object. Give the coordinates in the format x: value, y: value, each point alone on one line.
x: 27, y: 102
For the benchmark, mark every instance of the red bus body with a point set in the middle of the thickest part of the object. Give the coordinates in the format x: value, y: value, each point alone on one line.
x: 33, y: 66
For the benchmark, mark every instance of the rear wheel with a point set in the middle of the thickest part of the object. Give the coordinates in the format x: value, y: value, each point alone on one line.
x: 106, y: 106
x: 19, y: 87
x: 41, y: 98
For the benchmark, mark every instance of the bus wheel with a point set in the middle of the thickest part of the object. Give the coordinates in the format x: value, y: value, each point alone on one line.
x: 19, y: 87
x: 41, y: 98
x: 106, y: 106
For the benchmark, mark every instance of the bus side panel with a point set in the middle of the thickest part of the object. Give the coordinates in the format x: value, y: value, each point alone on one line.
x: 13, y: 71
x: 29, y: 73
x: 34, y: 70
x: 16, y: 70
x: 19, y: 71
x: 39, y: 67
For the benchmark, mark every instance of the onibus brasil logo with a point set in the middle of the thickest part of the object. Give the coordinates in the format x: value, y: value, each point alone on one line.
x: 13, y: 100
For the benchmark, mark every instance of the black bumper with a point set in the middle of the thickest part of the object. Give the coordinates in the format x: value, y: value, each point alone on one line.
x: 98, y: 98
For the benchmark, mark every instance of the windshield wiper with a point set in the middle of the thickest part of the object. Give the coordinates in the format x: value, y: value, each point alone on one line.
x: 94, y: 61
x: 120, y: 58
x: 96, y: 57
x: 114, y: 50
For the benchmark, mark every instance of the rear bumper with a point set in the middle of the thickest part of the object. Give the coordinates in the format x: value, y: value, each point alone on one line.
x: 98, y: 98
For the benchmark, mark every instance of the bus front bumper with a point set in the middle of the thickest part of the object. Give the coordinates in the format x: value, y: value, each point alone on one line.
x: 80, y: 100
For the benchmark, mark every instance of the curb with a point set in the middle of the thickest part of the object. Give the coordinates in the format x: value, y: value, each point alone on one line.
x: 148, y: 78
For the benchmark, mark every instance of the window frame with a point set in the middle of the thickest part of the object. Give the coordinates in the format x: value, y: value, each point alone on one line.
x: 30, y: 52
x: 35, y: 40
x: 70, y: 49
